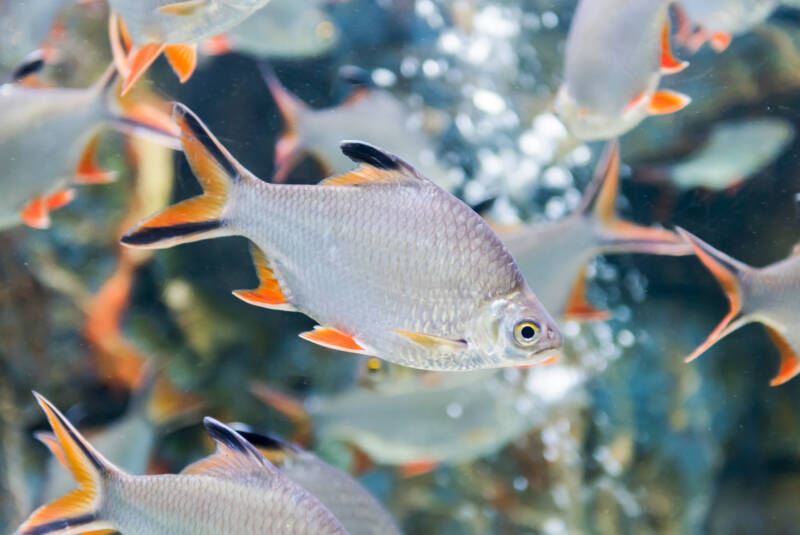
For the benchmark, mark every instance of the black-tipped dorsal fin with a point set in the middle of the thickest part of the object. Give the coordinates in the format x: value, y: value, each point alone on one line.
x: 375, y: 166
x: 32, y: 64
x: 275, y: 449
x: 235, y: 457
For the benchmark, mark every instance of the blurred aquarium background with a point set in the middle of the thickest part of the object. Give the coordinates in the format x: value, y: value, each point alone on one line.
x: 619, y: 436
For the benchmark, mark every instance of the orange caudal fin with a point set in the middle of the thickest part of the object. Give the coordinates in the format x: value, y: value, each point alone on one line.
x: 617, y: 235
x: 666, y: 101
x: 200, y: 217
x: 728, y: 272
x: 80, y: 510
x: 269, y: 293
x: 183, y: 59
x: 790, y: 362
x: 289, y: 147
x: 139, y: 62
x: 669, y: 64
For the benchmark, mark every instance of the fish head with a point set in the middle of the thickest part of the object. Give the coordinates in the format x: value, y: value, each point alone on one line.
x: 515, y: 330
x: 589, y: 123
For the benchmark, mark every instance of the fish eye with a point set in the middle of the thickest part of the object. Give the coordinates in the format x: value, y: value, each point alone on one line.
x: 374, y: 365
x: 526, y: 332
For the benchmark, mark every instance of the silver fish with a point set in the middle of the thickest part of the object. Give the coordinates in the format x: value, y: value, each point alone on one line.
x: 318, y: 132
x: 767, y: 295
x: 720, y: 20
x: 236, y: 490
x: 140, y: 30
x: 42, y: 146
x: 23, y: 29
x: 389, y: 264
x: 594, y: 229
x: 613, y: 67
x: 358, y: 511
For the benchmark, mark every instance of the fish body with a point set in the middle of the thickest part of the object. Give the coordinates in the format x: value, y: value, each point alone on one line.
x: 318, y: 132
x: 733, y: 152
x: 613, y: 67
x: 733, y: 17
x: 767, y: 295
x: 557, y: 272
x: 285, y: 29
x: 358, y: 511
x: 386, y: 262
x: 48, y: 142
x: 24, y: 26
x: 235, y: 491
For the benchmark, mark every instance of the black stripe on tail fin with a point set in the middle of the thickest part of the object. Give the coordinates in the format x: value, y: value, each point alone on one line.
x: 80, y: 507
x: 200, y: 217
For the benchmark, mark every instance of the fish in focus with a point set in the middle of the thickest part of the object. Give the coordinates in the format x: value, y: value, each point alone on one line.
x: 287, y: 29
x: 318, y: 132
x: 236, y: 490
x: 49, y: 142
x: 733, y: 152
x: 141, y: 30
x: 358, y: 511
x: 389, y: 264
x: 616, y: 53
x: 767, y: 295
x: 129, y: 442
x: 718, y: 21
x: 24, y: 27
x: 558, y: 272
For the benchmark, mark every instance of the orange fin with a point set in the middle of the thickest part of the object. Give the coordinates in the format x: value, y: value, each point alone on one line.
x: 720, y: 41
x: 375, y: 167
x: 183, y: 9
x: 290, y: 407
x: 88, y: 171
x: 666, y: 101
x: 141, y: 61
x: 121, y: 44
x: 790, y: 362
x: 218, y: 45
x: 333, y: 339
x: 669, y: 64
x: 52, y: 443
x: 636, y: 102
x: 60, y: 199
x: 433, y: 342
x: 269, y: 293
x: 726, y: 270
x: 290, y: 145
x: 579, y: 308
x: 197, y: 218
x: 551, y: 360
x: 418, y: 468
x: 166, y: 403
x: 183, y: 59
x: 36, y: 214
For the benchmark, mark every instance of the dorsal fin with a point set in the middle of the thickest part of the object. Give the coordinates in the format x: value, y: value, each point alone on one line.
x: 375, y: 166
x: 275, y: 449
x: 235, y: 457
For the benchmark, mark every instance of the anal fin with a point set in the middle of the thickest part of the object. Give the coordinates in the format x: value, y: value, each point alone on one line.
x: 36, y: 214
x: 60, y: 199
x: 269, y: 293
x: 790, y: 362
x: 88, y: 171
x: 667, y: 101
x: 333, y: 338
x: 579, y: 308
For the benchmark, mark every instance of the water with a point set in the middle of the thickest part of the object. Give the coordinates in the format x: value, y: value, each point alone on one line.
x: 620, y: 436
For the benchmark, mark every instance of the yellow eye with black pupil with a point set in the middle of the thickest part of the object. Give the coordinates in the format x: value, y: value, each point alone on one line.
x: 526, y: 332
x: 374, y: 365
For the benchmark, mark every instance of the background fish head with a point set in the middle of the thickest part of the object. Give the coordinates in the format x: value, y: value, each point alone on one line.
x: 515, y: 330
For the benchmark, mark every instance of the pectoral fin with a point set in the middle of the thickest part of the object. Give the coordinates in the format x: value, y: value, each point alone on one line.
x: 269, y: 293
x: 183, y: 59
x: 666, y: 101
x: 36, y: 214
x: 333, y: 338
x: 183, y: 9
x: 141, y: 61
x: 790, y: 362
x: 432, y: 342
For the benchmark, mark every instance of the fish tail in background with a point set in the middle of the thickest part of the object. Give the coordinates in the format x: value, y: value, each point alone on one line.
x: 615, y: 234
x: 288, y: 150
x: 166, y: 404
x: 201, y: 217
x: 728, y: 272
x: 78, y: 511
x: 290, y: 407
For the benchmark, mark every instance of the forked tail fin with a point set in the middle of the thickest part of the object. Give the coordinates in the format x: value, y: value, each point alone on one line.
x: 727, y: 271
x: 618, y: 235
x: 201, y: 217
x: 288, y: 150
x: 78, y: 511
